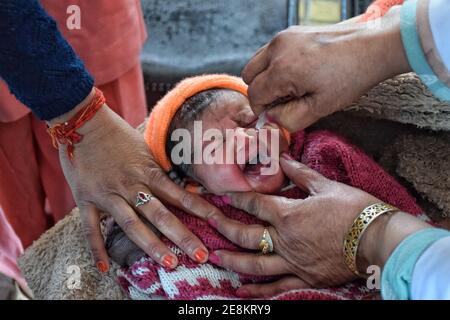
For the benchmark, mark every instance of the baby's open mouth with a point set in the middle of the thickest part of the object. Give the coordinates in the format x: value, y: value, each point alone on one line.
x: 254, y: 166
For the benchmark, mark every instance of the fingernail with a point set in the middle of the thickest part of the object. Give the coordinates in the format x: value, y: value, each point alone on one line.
x: 242, y: 293
x: 213, y: 223
x: 200, y: 255
x: 226, y: 199
x: 287, y: 156
x: 102, y: 266
x: 215, y: 259
x: 168, y: 261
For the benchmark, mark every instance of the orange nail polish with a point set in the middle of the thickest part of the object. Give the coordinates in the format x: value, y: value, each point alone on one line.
x: 168, y: 261
x: 102, y: 267
x: 200, y: 255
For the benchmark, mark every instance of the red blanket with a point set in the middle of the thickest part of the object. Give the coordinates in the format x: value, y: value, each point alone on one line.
x: 323, y: 151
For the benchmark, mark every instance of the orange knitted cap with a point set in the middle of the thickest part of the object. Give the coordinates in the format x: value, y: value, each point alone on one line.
x: 163, y: 113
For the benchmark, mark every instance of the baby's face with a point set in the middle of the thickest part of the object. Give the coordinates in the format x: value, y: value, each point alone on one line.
x: 232, y: 111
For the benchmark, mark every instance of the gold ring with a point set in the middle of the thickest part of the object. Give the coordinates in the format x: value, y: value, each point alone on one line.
x: 266, y: 243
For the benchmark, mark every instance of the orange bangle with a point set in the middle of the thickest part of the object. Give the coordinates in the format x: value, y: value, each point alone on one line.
x: 65, y: 133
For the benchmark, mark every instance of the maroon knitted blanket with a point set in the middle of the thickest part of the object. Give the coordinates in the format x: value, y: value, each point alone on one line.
x: 323, y: 151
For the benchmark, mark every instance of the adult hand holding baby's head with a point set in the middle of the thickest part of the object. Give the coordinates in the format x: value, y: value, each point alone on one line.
x: 320, y: 70
x: 307, y: 234
x: 111, y: 165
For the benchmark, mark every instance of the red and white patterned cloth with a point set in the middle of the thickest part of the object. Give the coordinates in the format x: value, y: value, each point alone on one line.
x: 322, y: 151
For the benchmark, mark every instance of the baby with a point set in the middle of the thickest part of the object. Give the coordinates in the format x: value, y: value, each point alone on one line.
x: 193, y: 110
x: 216, y: 102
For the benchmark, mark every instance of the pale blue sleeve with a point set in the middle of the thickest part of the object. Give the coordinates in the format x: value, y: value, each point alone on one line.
x: 397, y: 275
x: 439, y: 19
x: 431, y: 276
x: 425, y: 30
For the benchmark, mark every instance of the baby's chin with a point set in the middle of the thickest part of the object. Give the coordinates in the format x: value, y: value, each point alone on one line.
x: 267, y: 184
x: 220, y: 179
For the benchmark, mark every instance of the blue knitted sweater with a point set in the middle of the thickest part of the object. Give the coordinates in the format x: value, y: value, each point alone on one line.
x: 37, y: 63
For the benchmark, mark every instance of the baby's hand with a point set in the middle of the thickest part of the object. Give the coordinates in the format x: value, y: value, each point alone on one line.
x: 120, y: 248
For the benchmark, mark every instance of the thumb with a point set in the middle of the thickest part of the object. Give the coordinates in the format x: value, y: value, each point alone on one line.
x: 305, y: 178
x: 268, y: 89
x: 256, y: 65
x: 293, y: 115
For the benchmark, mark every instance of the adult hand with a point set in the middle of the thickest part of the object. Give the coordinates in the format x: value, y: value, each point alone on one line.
x: 320, y: 70
x: 111, y: 165
x: 307, y: 234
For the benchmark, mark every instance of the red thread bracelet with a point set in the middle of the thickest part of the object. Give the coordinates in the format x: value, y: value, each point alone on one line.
x: 66, y: 133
